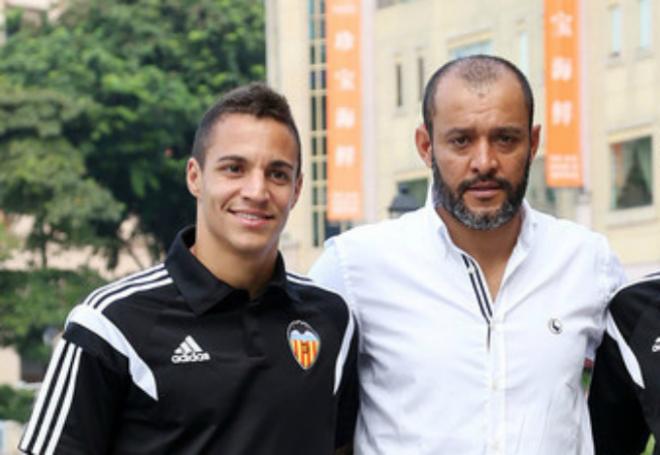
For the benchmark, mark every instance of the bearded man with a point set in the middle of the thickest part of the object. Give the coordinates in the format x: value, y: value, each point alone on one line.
x: 476, y: 312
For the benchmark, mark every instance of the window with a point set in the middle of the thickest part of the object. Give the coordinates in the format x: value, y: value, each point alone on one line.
x: 480, y: 47
x: 523, y: 52
x: 632, y: 174
x: 398, y: 78
x: 420, y: 78
x: 616, y: 30
x: 417, y: 188
x: 322, y: 229
x: 645, y: 24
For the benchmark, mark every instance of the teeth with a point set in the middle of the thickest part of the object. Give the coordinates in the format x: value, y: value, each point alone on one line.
x: 249, y: 216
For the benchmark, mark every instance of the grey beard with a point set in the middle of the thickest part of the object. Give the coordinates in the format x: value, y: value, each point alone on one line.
x: 453, y: 202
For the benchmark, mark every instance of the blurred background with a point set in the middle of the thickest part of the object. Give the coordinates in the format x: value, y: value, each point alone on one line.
x: 99, y: 101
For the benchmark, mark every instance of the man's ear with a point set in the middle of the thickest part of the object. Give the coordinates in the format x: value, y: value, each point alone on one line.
x: 535, y: 139
x: 297, y: 189
x: 194, y: 177
x: 424, y: 145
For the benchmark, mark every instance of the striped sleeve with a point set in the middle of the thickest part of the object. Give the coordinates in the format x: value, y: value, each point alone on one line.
x: 347, y: 387
x: 623, y: 393
x: 76, y: 408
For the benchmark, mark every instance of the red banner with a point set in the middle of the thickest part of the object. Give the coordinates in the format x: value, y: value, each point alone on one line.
x: 563, y: 165
x: 344, y: 113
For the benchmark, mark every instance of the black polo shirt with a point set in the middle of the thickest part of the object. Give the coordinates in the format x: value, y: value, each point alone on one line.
x: 624, y: 397
x: 173, y: 361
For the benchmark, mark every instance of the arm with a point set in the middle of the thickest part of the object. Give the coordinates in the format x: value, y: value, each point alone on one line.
x: 327, y: 270
x: 79, y: 401
x: 348, y: 400
x: 617, y: 420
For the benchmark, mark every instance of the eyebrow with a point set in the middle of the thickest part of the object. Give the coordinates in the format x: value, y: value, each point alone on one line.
x: 281, y: 163
x: 513, y: 130
x: 240, y: 159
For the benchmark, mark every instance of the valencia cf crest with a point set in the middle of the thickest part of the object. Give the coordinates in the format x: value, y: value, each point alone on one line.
x: 304, y: 342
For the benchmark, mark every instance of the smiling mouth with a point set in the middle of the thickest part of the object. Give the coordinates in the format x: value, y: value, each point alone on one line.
x: 250, y: 216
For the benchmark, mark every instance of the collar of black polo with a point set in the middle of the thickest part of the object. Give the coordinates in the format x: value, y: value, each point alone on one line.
x: 202, y: 290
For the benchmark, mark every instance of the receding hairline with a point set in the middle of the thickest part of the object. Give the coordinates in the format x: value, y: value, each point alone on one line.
x: 478, y: 71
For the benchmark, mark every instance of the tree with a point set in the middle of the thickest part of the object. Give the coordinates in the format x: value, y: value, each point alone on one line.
x: 139, y: 75
x: 33, y: 301
x: 15, y: 404
x: 43, y: 174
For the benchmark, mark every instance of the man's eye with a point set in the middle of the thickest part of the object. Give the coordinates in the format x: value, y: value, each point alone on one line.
x: 280, y: 176
x: 459, y: 141
x: 231, y: 168
x: 507, y: 139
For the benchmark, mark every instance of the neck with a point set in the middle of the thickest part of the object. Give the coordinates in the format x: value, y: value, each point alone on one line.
x: 485, y: 246
x: 491, y: 249
x: 240, y: 271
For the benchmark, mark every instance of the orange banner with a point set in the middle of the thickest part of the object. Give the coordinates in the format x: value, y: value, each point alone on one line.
x: 344, y: 110
x: 563, y: 162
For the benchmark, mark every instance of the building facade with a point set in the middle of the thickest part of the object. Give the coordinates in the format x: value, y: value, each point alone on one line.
x: 404, y: 41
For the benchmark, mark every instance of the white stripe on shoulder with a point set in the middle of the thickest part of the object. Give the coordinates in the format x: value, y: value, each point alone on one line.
x: 98, y: 298
x: 301, y: 279
x: 133, y: 289
x: 629, y: 359
x: 95, y: 321
x: 343, y: 350
x: 124, y: 280
x: 644, y: 279
x: 306, y: 281
x: 66, y: 404
x: 45, y: 387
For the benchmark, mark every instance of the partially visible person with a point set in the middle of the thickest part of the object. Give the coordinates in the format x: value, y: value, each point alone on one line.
x: 476, y: 312
x: 624, y: 397
x: 218, y: 350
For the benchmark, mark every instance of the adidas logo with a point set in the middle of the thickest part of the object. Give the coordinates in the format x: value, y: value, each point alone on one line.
x: 656, y: 345
x: 189, y: 351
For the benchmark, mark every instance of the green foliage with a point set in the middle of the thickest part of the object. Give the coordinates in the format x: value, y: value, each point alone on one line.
x: 7, y: 242
x: 133, y: 79
x: 32, y: 301
x: 15, y: 404
x: 43, y: 173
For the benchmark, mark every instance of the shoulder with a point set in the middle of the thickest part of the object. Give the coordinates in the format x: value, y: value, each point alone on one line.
x: 309, y: 289
x: 636, y: 297
x: 122, y: 307
x: 568, y: 231
x: 323, y: 298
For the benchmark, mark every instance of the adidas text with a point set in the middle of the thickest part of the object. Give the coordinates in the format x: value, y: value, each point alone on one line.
x: 192, y: 357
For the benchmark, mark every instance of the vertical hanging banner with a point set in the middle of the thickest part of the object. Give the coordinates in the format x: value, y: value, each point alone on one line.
x: 344, y: 110
x: 563, y: 166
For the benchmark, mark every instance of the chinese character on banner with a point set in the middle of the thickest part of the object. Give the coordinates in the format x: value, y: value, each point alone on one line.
x: 562, y: 69
x: 344, y: 110
x: 562, y: 112
x: 344, y: 40
x: 345, y: 78
x: 562, y: 74
x: 562, y: 24
x: 344, y: 156
x: 345, y: 117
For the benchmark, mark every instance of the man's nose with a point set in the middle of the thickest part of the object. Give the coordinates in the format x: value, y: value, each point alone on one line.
x: 255, y: 187
x: 484, y: 158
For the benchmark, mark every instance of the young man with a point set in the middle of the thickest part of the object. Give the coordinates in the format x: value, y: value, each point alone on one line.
x: 218, y: 349
x: 624, y: 397
x: 476, y: 312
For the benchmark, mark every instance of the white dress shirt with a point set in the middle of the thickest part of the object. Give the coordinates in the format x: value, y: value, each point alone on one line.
x: 446, y: 369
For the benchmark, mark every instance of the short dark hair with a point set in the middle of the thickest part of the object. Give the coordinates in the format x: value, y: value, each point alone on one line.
x: 477, y: 70
x: 255, y: 99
